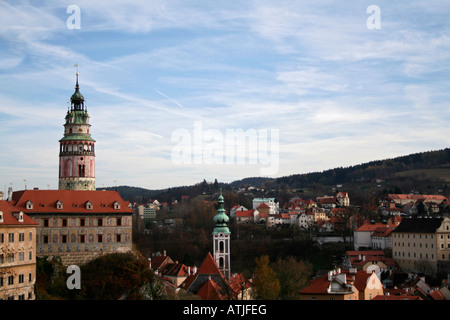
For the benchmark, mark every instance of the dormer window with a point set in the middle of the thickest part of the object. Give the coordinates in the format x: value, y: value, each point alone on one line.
x: 89, y: 205
x: 1, y: 216
x: 59, y: 205
x: 116, y: 205
x: 29, y: 205
x: 18, y: 216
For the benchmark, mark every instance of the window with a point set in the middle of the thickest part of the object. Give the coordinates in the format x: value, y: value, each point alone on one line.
x: 45, y: 239
x: 64, y: 222
x: 99, y: 238
x: 119, y: 221
x: 10, y: 237
x: 64, y: 238
x: 81, y: 170
x: 82, y: 222
x: 82, y: 238
x: 1, y: 216
x: 10, y: 280
x: 21, y: 278
x: 21, y: 237
x: 2, y: 237
x: 118, y: 237
x: 45, y: 222
x: 100, y: 222
x: 21, y: 256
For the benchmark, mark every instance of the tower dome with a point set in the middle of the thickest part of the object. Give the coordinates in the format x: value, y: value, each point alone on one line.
x: 221, y: 219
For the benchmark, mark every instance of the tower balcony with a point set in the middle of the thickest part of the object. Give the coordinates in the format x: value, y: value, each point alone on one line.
x: 77, y: 153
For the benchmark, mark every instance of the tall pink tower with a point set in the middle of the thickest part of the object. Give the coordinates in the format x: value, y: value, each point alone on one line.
x: 76, y: 153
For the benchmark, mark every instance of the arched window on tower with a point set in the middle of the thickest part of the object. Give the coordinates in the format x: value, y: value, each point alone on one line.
x: 221, y: 262
x: 81, y: 170
x: 221, y: 246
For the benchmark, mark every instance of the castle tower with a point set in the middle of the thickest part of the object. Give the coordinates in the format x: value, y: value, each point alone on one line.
x: 76, y: 153
x: 221, y: 239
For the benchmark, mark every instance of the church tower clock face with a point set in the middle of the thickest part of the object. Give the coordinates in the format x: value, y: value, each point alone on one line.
x: 77, y: 147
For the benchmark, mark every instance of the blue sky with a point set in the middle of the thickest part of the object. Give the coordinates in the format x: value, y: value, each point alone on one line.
x: 336, y: 92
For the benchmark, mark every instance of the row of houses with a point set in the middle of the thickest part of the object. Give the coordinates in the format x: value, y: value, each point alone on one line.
x: 325, y: 213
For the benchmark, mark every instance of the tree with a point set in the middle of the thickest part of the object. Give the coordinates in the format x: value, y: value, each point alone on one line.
x: 267, y: 285
x: 293, y: 276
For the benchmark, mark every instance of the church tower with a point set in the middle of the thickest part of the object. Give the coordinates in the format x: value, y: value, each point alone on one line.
x: 76, y: 153
x: 221, y: 239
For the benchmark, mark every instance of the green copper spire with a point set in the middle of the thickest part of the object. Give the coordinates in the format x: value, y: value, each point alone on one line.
x: 221, y: 219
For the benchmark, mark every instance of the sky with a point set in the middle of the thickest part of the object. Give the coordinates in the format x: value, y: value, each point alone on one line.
x: 181, y: 91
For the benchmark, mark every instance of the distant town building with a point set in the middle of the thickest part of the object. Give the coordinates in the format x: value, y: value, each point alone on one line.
x: 270, y: 202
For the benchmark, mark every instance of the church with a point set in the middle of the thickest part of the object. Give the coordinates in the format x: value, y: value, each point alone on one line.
x: 213, y: 279
x: 77, y: 222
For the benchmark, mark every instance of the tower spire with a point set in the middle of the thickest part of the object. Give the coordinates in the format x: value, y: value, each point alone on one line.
x: 221, y: 238
x: 77, y: 154
x: 77, y: 99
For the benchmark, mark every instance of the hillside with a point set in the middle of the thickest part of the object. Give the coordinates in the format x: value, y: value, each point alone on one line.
x: 425, y: 172
x: 432, y: 165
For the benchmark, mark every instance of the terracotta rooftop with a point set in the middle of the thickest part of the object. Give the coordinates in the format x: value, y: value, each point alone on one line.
x: 73, y: 201
x: 11, y: 214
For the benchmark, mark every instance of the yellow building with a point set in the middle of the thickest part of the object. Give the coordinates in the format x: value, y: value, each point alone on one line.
x: 17, y: 254
x: 422, y: 245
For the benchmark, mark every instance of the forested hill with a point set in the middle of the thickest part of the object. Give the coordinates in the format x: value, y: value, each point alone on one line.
x: 428, y: 168
x: 432, y: 165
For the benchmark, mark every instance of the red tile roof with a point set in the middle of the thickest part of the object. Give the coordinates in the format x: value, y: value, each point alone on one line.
x: 245, y: 213
x: 210, y: 291
x: 159, y: 261
x: 320, y: 285
x: 73, y: 201
x: 9, y: 215
x: 209, y: 266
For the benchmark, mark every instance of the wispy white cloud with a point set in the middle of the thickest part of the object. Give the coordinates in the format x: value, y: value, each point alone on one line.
x: 338, y: 92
